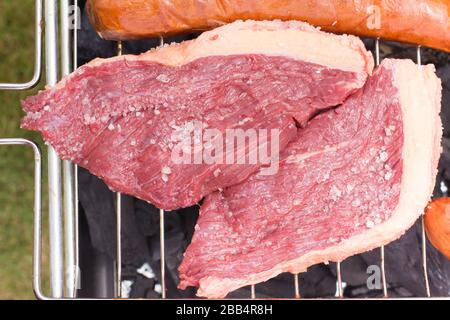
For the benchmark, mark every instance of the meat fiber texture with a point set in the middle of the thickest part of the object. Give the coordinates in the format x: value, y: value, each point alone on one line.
x: 123, y: 118
x: 354, y: 179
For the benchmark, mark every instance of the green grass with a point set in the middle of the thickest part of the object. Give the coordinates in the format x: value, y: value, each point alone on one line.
x: 16, y: 163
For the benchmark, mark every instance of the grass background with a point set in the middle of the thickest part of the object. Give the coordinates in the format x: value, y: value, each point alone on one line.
x: 16, y: 162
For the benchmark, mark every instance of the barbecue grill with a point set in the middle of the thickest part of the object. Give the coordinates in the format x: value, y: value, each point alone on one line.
x: 63, y: 188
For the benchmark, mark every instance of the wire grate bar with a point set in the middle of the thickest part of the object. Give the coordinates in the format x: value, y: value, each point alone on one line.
x: 76, y: 233
x: 424, y: 258
x: 383, y: 273
x: 68, y: 169
x: 253, y: 291
x: 119, y: 245
x: 37, y: 246
x: 340, y: 290
x: 75, y: 36
x: 377, y: 51
x: 162, y: 238
x: 296, y: 286
x: 382, y: 264
x: 37, y: 54
x: 424, y: 237
x: 119, y: 224
x: 163, y: 253
x: 54, y: 163
x: 75, y: 167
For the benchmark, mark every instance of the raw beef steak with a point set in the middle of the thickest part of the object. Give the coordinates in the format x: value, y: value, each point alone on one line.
x: 122, y: 118
x: 355, y: 178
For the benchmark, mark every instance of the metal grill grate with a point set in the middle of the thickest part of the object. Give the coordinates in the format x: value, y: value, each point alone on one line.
x: 63, y: 202
x: 37, y: 54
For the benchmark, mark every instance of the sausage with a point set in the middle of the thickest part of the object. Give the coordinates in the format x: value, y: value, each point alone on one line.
x: 421, y: 22
x: 437, y: 224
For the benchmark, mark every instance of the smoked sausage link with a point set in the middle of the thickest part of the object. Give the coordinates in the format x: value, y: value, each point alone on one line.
x: 422, y: 22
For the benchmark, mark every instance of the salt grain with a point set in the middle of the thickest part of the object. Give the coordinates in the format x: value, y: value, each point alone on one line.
x: 34, y: 115
x: 370, y: 224
x: 383, y: 156
x: 163, y: 78
x: 335, y: 193
x: 87, y: 119
x: 356, y: 203
x: 166, y: 170
x: 244, y: 121
x: 389, y: 130
x: 111, y: 127
x: 388, y: 175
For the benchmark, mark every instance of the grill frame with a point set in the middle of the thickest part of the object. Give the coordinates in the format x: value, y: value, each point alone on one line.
x: 37, y: 54
x: 63, y: 202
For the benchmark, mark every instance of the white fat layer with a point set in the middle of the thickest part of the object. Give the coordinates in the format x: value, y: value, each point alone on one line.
x: 292, y: 39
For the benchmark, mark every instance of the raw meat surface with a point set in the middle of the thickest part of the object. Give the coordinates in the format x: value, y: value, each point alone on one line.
x: 355, y: 178
x: 121, y: 118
